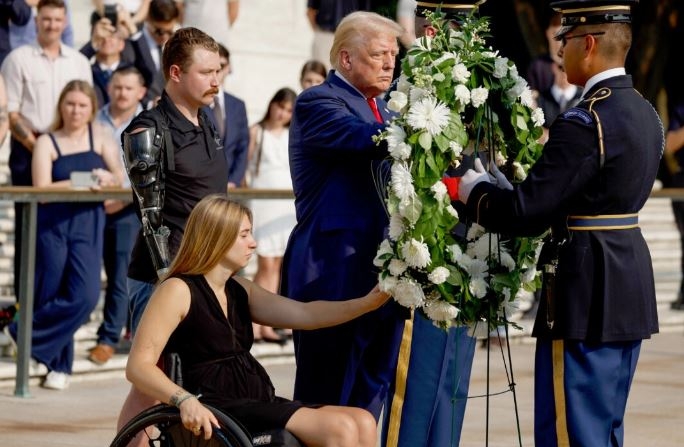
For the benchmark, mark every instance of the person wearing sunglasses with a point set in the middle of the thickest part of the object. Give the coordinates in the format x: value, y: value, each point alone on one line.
x: 595, y: 174
x: 161, y: 22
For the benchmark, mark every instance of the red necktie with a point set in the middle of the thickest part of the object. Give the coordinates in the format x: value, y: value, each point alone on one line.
x: 374, y: 108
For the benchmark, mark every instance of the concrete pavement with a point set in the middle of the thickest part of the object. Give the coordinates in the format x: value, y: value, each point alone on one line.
x: 85, y: 414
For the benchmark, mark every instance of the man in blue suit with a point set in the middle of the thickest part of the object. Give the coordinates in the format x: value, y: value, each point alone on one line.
x: 338, y: 178
x: 229, y: 115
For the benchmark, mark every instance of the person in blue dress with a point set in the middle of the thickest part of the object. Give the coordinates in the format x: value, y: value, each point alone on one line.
x: 69, y: 234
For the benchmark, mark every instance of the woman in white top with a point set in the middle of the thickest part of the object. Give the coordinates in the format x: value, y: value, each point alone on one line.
x: 269, y: 168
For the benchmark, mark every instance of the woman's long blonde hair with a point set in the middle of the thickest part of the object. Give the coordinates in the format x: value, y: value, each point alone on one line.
x: 212, y: 228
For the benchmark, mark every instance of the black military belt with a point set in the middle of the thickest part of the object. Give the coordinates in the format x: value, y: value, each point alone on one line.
x: 603, y: 222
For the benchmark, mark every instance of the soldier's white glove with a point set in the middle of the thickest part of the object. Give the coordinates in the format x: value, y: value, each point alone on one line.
x: 471, y: 178
x: 500, y: 180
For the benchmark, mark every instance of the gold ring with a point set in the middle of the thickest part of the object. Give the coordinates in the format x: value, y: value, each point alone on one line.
x: 196, y: 430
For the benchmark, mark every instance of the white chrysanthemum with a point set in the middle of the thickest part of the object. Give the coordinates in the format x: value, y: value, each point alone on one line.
x: 439, y: 190
x: 411, y: 210
x: 462, y: 94
x: 477, y: 268
x: 438, y: 275
x: 456, y: 148
x: 538, y: 117
x: 478, y: 287
x: 385, y: 248
x: 398, y: 100
x: 397, y: 267
x: 514, y: 92
x: 500, y: 67
x: 387, y: 283
x: 451, y: 210
x: 402, y: 182
x: 401, y: 151
x: 475, y: 231
x: 455, y: 251
x: 416, y: 253
x: 527, y: 98
x: 519, y: 171
x: 478, y: 96
x: 460, y: 73
x: 428, y: 114
x: 416, y: 94
x: 484, y: 246
x: 403, y: 84
x: 396, y: 226
x: 441, y: 311
x: 395, y: 135
x: 408, y: 293
x: 507, y: 260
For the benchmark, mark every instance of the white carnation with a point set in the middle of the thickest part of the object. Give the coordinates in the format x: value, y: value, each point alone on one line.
x: 462, y: 94
x: 484, y: 246
x: 507, y: 260
x: 395, y: 136
x: 479, y: 96
x: 456, y: 148
x: 416, y: 253
x: 527, y: 98
x: 401, y: 151
x: 476, y: 268
x: 460, y: 73
x: 538, y: 117
x: 398, y: 100
x: 438, y: 275
x: 475, y: 231
x: 397, y: 267
x: 387, y: 283
x: 428, y: 114
x: 455, y: 251
x: 402, y: 182
x: 478, y: 287
x: 514, y: 92
x: 440, y: 311
x: 500, y: 67
x: 416, y: 94
x: 408, y: 293
x: 439, y: 190
x: 396, y: 226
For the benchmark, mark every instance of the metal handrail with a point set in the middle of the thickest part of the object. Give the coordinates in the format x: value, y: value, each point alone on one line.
x: 29, y: 197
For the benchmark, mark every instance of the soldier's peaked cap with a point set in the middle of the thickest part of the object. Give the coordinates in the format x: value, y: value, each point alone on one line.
x: 591, y: 12
x: 449, y: 9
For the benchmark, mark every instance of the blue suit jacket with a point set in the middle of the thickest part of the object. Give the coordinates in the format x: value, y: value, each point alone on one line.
x: 236, y: 136
x: 335, y: 167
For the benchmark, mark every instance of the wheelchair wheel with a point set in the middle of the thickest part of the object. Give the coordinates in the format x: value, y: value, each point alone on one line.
x: 162, y: 427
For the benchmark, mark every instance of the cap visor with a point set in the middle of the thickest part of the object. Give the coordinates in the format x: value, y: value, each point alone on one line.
x: 562, y: 31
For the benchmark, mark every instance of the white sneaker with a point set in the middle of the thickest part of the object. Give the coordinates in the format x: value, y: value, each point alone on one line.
x: 56, y: 381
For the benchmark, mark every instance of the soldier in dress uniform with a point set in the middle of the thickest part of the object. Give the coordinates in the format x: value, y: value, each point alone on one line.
x: 595, y: 174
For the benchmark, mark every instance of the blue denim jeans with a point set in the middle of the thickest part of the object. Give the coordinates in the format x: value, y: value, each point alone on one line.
x: 139, y: 293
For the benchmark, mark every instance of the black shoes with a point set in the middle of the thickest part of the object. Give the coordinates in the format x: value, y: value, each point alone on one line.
x: 7, y: 315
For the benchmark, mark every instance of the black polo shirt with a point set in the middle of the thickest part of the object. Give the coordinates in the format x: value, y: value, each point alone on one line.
x: 200, y: 169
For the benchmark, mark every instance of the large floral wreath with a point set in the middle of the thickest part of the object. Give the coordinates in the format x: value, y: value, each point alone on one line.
x: 456, y: 96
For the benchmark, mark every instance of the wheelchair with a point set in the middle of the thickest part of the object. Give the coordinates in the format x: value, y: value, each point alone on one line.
x: 162, y: 427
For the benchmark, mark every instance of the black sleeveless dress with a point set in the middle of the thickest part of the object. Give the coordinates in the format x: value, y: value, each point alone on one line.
x: 216, y: 361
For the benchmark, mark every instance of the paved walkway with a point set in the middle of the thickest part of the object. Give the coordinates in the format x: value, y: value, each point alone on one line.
x: 85, y: 414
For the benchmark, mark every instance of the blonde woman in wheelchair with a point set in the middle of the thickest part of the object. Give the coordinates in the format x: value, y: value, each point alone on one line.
x: 204, y: 313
